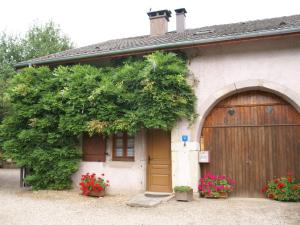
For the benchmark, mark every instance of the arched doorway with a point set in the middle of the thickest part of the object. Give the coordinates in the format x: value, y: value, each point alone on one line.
x: 252, y: 137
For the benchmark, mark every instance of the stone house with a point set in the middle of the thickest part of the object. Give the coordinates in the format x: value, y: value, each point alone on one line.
x: 246, y: 77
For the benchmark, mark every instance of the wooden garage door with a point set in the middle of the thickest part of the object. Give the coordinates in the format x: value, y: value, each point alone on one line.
x: 252, y: 136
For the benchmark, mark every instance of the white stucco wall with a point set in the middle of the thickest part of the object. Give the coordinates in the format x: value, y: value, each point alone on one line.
x: 124, y: 177
x: 221, y: 70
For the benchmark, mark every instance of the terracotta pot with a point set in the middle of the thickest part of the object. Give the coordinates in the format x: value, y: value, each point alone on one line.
x: 184, y: 196
x: 222, y: 195
x: 97, y: 194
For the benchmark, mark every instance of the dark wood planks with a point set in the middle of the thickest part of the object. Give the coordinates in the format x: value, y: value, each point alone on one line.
x: 257, y: 140
x: 93, y: 148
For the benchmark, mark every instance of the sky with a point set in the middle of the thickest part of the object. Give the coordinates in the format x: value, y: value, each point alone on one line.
x: 93, y: 21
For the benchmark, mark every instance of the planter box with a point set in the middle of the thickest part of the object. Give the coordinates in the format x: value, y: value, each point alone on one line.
x: 222, y: 195
x: 184, y: 196
x: 97, y: 194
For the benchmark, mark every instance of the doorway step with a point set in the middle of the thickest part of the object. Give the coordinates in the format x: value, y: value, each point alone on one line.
x: 149, y: 199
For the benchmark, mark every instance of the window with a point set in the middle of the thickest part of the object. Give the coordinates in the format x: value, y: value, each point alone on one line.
x: 123, y: 147
x: 93, y: 148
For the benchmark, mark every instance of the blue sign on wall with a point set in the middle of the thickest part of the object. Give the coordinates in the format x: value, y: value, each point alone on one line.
x: 184, y: 138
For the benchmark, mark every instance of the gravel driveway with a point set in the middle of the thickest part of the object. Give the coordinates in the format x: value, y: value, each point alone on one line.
x: 18, y: 207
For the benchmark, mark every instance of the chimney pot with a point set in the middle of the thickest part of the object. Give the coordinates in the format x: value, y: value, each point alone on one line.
x: 159, y: 21
x: 180, y: 19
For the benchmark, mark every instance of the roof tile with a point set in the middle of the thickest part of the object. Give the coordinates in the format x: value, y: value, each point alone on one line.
x: 203, y: 33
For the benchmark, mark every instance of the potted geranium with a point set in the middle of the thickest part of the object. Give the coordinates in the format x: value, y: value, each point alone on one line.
x: 93, y: 186
x: 183, y: 193
x: 283, y: 189
x: 215, y: 186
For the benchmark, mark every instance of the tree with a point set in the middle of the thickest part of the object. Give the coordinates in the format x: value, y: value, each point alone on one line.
x: 10, y: 52
x: 38, y: 41
x: 41, y: 40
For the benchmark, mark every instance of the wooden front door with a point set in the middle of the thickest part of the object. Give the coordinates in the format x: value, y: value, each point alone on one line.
x: 159, y: 161
x: 252, y: 137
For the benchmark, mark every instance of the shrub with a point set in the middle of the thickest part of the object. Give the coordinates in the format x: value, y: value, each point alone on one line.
x: 50, y: 108
x: 52, y: 168
x: 283, y: 189
x: 30, y: 133
x: 90, y: 183
x: 182, y: 188
x: 213, y: 185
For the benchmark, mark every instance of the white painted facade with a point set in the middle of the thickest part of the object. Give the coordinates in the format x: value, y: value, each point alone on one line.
x: 215, y: 73
x: 124, y: 176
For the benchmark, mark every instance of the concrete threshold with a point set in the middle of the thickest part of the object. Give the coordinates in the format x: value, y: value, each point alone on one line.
x: 149, y: 199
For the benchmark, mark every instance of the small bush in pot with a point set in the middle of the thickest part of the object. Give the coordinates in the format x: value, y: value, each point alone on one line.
x: 93, y: 186
x: 215, y: 186
x: 183, y: 193
x: 283, y: 189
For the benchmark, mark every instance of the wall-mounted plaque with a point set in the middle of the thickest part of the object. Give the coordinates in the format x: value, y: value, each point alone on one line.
x: 204, y: 157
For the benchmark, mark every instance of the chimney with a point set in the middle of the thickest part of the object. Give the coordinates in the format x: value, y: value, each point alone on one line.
x: 159, y: 21
x: 180, y: 19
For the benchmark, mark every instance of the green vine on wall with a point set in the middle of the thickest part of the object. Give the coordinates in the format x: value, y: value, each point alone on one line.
x: 51, y: 108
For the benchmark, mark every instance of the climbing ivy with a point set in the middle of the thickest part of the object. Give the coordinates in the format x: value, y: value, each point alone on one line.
x: 51, y: 108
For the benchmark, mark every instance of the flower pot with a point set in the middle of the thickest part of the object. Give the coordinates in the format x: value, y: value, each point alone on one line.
x: 97, y: 194
x: 184, y: 196
x: 221, y: 195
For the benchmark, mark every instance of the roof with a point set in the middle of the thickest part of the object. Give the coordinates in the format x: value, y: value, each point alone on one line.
x: 208, y: 34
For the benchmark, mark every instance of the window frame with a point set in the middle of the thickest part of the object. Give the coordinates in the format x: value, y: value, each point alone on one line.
x: 124, y: 148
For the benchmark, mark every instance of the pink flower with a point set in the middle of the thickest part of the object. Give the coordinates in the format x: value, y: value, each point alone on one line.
x: 231, y: 181
x: 221, y: 177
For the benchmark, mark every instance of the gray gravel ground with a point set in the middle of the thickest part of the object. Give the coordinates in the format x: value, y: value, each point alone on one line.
x: 21, y: 207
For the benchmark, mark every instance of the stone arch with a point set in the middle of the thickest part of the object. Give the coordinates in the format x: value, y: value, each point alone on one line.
x: 256, y: 84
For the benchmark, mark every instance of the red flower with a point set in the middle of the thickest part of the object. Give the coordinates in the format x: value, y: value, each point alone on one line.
x: 271, y: 196
x: 281, y: 185
x: 276, y: 181
x: 295, y: 187
x: 92, y: 183
x: 290, y: 179
x: 264, y: 189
